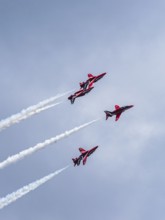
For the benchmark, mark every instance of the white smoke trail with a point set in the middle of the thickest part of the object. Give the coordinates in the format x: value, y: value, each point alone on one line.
x: 26, y: 189
x: 29, y: 111
x: 36, y: 111
x: 39, y: 146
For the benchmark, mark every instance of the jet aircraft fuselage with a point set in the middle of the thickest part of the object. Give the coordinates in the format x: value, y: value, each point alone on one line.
x: 118, y: 111
x: 84, y: 155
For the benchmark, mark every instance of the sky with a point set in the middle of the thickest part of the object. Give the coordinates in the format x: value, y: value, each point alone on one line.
x: 46, y: 48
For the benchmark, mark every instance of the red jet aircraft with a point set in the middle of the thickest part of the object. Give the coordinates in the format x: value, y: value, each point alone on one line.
x: 83, y: 156
x: 118, y: 111
x: 91, y: 79
x: 79, y: 93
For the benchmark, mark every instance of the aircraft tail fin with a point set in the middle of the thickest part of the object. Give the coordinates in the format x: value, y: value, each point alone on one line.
x: 74, y: 161
x: 81, y: 84
x: 71, y: 98
x: 108, y: 114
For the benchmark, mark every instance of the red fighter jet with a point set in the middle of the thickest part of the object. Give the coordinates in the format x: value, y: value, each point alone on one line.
x: 79, y: 93
x: 118, y: 111
x: 91, y: 79
x: 83, y: 156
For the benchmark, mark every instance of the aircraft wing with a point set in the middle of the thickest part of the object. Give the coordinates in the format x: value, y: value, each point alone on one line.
x: 85, y: 159
x: 82, y: 150
x: 117, y: 107
x: 90, y: 84
x: 117, y: 116
x: 90, y: 75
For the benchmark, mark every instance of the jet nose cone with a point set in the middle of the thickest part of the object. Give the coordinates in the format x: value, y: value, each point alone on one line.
x: 130, y: 106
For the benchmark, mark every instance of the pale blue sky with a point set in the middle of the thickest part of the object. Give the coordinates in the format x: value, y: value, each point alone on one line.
x: 48, y: 47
